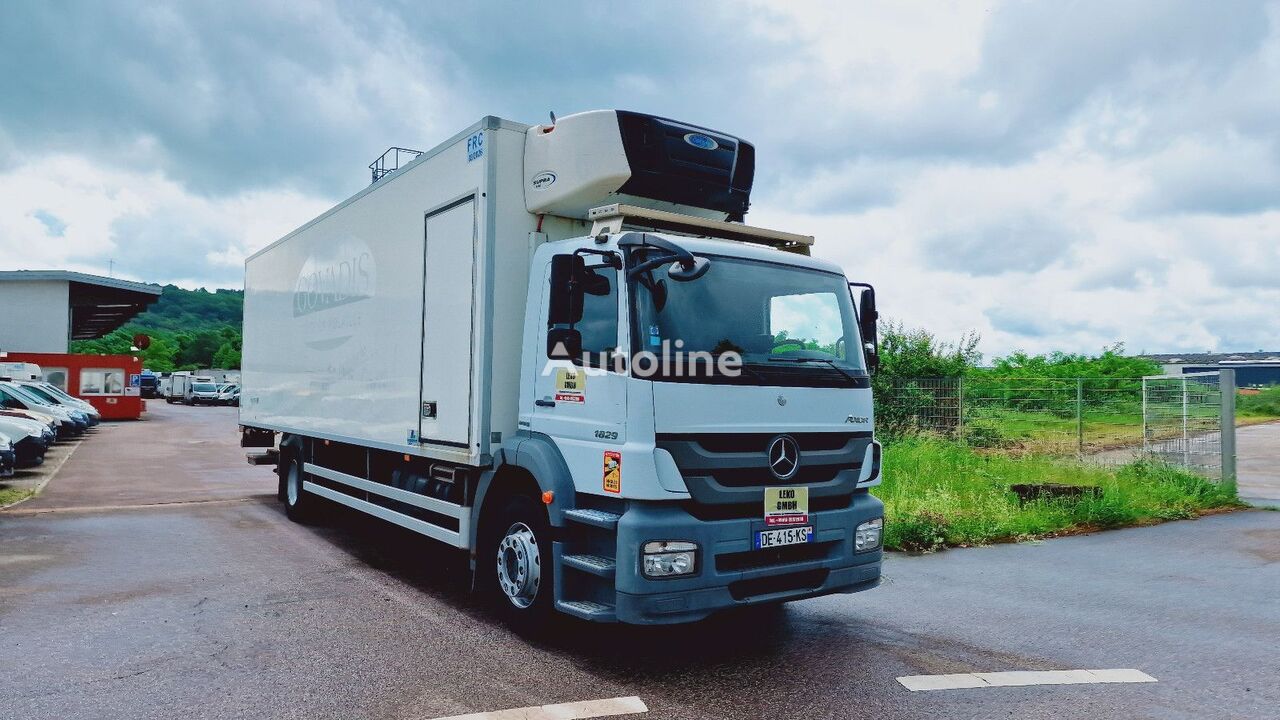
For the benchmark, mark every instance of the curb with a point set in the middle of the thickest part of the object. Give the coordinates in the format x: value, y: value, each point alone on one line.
x: 35, y: 492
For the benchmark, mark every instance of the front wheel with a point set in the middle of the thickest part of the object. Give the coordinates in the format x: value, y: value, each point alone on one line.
x: 521, y: 570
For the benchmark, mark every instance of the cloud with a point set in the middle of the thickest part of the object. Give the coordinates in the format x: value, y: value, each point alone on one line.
x: 68, y: 213
x: 1055, y: 176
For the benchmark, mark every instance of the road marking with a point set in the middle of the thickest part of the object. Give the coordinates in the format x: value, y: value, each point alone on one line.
x: 960, y: 681
x: 262, y: 498
x: 564, y: 711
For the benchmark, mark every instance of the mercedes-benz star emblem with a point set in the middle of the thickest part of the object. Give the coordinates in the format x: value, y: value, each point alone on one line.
x: 784, y: 457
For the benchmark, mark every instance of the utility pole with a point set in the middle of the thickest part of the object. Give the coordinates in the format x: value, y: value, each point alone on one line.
x: 111, y: 266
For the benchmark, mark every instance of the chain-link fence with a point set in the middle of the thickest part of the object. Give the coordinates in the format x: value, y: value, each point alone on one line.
x: 1110, y: 421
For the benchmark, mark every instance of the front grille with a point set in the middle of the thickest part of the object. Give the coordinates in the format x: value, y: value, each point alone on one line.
x: 756, y: 559
x: 733, y: 468
x: 807, y: 580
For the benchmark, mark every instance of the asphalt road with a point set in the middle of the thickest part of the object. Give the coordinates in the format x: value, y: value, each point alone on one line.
x: 158, y: 577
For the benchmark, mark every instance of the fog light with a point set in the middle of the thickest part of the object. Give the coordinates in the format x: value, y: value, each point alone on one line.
x: 670, y: 558
x: 867, y: 536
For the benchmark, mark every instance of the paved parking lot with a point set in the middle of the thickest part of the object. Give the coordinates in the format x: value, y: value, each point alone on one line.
x: 158, y: 577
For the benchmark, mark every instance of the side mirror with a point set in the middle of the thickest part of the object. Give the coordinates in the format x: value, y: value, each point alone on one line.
x: 567, y: 290
x: 680, y: 272
x: 564, y: 344
x: 867, y: 317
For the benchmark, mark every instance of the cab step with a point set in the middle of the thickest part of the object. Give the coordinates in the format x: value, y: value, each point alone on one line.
x: 266, y: 457
x: 594, y: 564
x: 587, y: 610
x: 596, y: 518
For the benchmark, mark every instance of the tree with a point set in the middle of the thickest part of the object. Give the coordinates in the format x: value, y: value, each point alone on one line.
x: 227, y: 357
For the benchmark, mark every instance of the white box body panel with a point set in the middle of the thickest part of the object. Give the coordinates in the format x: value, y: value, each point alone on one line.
x: 393, y: 321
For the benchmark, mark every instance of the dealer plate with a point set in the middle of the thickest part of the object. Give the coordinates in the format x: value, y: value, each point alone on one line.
x: 786, y: 506
x: 766, y: 539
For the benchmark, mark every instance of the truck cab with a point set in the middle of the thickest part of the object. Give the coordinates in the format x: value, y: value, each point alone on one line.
x: 691, y: 386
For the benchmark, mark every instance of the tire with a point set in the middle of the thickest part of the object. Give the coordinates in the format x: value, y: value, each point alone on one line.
x: 518, y: 545
x: 299, y: 505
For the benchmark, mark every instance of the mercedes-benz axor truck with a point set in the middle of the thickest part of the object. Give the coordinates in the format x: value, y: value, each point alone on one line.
x: 560, y: 348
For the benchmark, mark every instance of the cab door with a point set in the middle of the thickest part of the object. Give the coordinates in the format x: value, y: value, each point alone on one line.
x: 581, y: 402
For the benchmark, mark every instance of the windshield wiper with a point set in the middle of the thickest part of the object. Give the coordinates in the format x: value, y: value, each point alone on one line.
x: 831, y: 363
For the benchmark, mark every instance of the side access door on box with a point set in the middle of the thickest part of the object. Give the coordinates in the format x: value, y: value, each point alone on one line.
x: 448, y: 324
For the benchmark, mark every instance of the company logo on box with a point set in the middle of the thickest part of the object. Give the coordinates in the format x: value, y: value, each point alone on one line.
x: 329, y: 280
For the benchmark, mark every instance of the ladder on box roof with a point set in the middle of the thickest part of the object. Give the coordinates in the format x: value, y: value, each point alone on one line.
x: 612, y: 218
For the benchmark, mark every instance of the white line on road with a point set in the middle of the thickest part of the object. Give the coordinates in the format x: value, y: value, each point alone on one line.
x: 564, y: 711
x: 961, y: 681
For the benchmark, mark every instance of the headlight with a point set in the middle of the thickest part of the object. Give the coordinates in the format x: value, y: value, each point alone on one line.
x: 669, y: 558
x: 5, y: 446
x: 867, y: 536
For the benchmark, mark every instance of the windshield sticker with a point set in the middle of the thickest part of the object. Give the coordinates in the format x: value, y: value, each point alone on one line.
x: 571, y: 385
x: 612, y: 471
x: 655, y: 336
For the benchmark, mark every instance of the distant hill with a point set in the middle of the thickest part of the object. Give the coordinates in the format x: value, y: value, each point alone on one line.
x: 180, y: 310
x: 189, y: 329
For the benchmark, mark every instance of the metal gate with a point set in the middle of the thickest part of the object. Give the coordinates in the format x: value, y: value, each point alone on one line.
x: 1189, y: 420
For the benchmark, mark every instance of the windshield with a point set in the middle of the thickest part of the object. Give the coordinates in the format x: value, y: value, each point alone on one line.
x: 791, y: 326
x: 42, y: 394
x: 26, y: 397
x: 204, y: 387
x: 56, y: 391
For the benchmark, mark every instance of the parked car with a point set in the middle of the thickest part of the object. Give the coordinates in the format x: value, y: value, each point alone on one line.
x: 202, y: 392
x: 229, y: 394
x: 27, y: 440
x: 51, y: 393
x: 49, y: 422
x: 6, y: 456
x: 15, y: 397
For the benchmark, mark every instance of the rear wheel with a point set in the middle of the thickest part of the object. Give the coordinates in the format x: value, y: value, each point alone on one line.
x: 298, y: 503
x: 517, y: 560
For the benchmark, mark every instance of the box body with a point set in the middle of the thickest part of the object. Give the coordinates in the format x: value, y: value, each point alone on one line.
x: 394, y: 320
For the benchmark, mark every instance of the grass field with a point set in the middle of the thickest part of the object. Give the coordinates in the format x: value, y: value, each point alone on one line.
x: 939, y: 493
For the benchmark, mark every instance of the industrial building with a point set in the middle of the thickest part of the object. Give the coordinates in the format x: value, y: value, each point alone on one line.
x: 44, y: 310
x: 1253, y: 369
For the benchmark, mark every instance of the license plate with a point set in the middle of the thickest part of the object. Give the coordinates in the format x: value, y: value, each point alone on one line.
x: 766, y: 539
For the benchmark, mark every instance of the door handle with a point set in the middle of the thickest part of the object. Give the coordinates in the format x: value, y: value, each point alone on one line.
x: 545, y: 403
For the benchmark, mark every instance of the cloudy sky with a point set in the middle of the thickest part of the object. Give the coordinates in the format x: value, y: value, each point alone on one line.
x: 1055, y: 175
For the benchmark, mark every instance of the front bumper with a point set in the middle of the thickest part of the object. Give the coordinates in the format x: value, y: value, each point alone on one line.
x: 28, y: 452
x: 6, y: 463
x: 731, y: 573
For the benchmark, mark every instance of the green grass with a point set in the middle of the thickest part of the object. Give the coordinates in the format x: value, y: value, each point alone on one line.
x: 11, y: 495
x: 941, y: 494
x: 1264, y: 404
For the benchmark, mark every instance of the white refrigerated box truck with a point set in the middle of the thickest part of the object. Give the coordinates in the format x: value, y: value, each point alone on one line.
x: 559, y: 348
